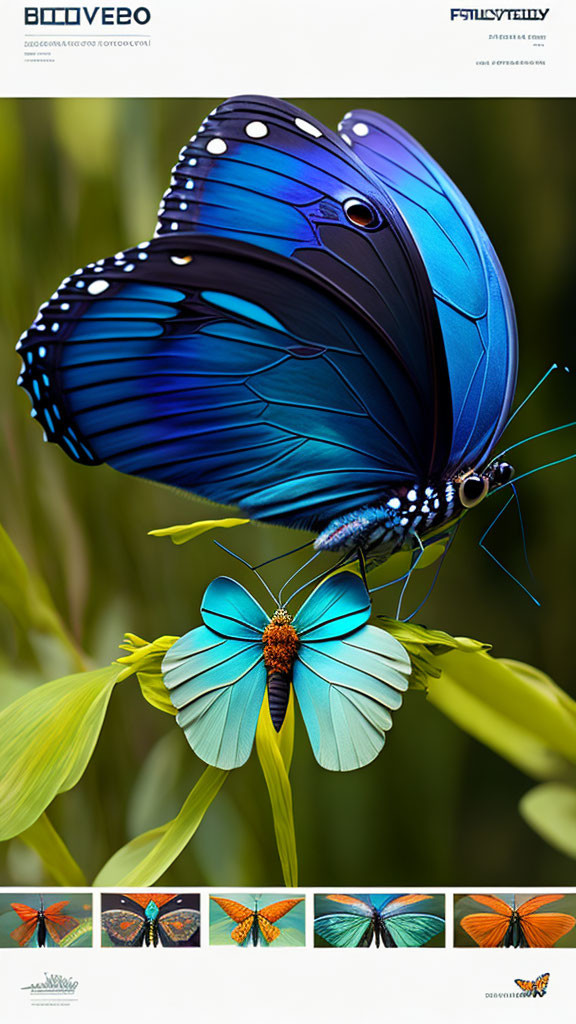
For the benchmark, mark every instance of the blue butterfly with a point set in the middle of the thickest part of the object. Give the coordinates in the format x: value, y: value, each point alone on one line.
x: 347, y: 675
x: 382, y: 920
x: 320, y: 333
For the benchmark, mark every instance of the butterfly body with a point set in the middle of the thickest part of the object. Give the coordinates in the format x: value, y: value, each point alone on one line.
x: 319, y: 329
x: 144, y: 920
x: 42, y: 922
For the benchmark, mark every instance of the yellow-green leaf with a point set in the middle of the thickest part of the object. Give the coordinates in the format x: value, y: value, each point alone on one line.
x: 519, y: 714
x: 143, y: 860
x: 275, y: 752
x: 48, y: 737
x: 145, y: 659
x: 181, y: 534
x: 43, y: 838
x: 84, y: 928
x: 550, y: 809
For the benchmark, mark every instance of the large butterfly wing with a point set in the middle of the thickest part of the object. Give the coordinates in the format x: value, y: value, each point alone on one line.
x: 24, y: 932
x: 345, y: 930
x: 263, y: 171
x: 177, y: 926
x: 230, y: 372
x: 544, y: 930
x: 409, y: 929
x: 471, y: 292
x: 346, y: 688
x: 486, y: 929
x: 58, y: 924
x: 216, y: 676
x: 237, y: 911
x: 397, y: 905
x: 124, y: 927
x: 274, y: 911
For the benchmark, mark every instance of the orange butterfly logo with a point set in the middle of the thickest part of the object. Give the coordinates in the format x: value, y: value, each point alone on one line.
x: 517, y: 926
x: 256, y: 926
x: 534, y: 988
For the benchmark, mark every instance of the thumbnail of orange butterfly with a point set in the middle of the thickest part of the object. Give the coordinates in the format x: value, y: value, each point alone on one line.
x: 534, y: 988
x: 515, y: 924
x: 37, y: 923
x: 256, y: 926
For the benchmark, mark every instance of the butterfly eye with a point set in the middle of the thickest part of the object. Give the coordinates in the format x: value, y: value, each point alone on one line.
x: 361, y: 214
x: 501, y: 473
x: 473, y: 489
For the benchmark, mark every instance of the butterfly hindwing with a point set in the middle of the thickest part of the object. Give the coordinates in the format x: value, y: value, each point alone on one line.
x: 124, y: 927
x: 410, y: 929
x: 346, y: 930
x: 470, y: 289
x: 232, y: 373
x: 177, y: 926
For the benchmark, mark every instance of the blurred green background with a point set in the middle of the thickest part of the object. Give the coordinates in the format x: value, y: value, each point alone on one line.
x: 464, y: 905
x: 81, y: 179
x: 79, y: 906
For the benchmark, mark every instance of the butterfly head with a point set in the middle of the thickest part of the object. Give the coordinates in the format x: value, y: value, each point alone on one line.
x: 472, y: 487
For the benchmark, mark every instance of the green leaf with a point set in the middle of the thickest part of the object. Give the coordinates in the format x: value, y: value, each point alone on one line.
x: 145, y: 659
x: 519, y: 713
x: 143, y: 860
x: 400, y: 563
x: 26, y: 596
x: 84, y: 928
x: 48, y: 737
x: 275, y: 753
x: 182, y: 534
x: 43, y: 838
x: 550, y: 809
x: 438, y: 642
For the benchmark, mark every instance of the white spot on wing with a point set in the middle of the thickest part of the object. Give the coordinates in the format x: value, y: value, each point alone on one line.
x: 216, y: 146
x: 256, y: 130
x: 360, y: 129
x: 97, y: 287
x: 305, y: 126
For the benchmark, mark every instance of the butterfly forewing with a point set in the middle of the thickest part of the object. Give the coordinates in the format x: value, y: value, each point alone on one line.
x: 282, y: 399
x: 288, y: 188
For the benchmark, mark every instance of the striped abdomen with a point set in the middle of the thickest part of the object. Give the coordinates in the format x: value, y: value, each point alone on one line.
x: 278, y: 696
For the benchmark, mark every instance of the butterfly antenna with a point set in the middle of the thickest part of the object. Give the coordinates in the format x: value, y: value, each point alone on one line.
x: 523, y: 533
x: 533, y: 437
x: 436, y: 574
x: 547, y: 465
x: 251, y: 567
x: 285, y: 555
x: 295, y: 574
x: 321, y: 575
x: 535, y: 389
x: 498, y: 562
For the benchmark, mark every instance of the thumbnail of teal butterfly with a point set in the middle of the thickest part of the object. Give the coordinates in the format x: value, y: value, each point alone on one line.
x: 347, y: 675
x: 383, y: 920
